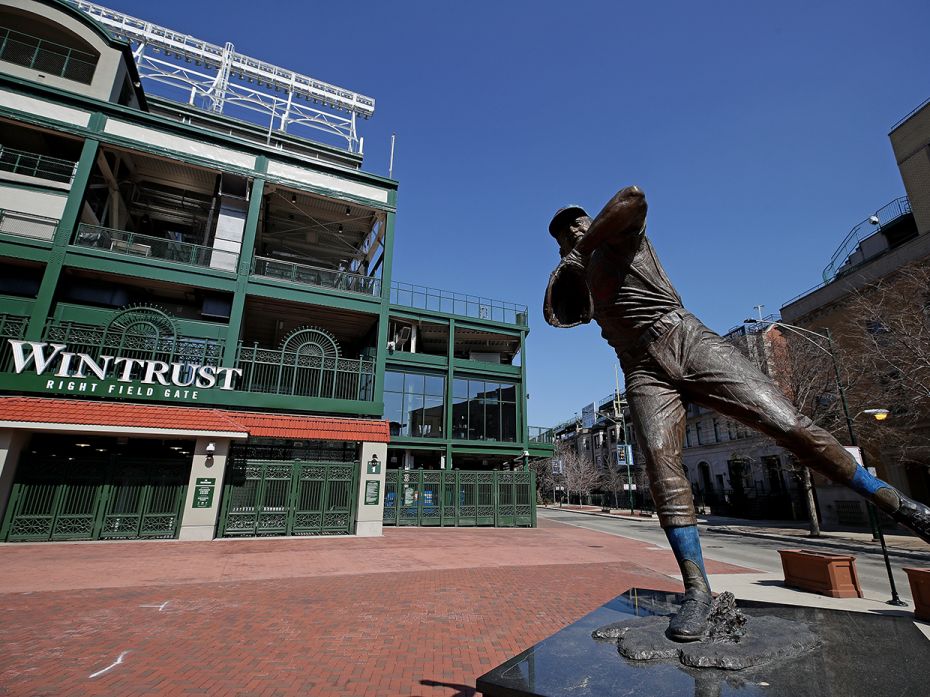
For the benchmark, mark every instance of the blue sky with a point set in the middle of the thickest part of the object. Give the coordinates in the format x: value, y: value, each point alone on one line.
x: 757, y: 130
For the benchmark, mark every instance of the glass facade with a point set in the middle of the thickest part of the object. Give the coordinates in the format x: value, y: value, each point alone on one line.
x: 483, y: 410
x: 413, y: 404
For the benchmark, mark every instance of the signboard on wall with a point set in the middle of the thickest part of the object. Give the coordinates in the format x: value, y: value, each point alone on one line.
x: 57, y: 370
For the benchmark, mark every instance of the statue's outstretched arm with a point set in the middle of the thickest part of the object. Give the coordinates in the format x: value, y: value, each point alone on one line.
x: 622, y: 217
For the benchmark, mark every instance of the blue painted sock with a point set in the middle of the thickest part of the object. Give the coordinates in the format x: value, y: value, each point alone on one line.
x: 686, y: 545
x: 866, y: 484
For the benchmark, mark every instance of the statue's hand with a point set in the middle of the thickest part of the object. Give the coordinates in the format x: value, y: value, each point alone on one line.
x: 574, y: 260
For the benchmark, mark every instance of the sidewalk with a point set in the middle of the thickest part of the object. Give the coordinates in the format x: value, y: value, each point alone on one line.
x: 419, y: 612
x: 898, y: 541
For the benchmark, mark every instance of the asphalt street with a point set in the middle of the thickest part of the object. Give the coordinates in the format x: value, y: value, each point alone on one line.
x: 749, y: 552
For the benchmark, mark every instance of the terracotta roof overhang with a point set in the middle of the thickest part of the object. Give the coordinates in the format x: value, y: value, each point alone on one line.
x: 45, y: 414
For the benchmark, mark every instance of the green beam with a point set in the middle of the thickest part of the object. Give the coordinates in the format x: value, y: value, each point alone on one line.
x: 69, y: 218
x: 450, y: 350
x: 246, y: 252
x: 384, y: 314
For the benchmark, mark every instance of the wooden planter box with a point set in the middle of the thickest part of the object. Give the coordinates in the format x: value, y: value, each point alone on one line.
x: 920, y: 589
x: 833, y: 575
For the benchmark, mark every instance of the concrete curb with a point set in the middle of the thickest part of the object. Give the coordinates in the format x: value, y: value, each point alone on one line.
x: 795, y: 541
x: 847, y: 545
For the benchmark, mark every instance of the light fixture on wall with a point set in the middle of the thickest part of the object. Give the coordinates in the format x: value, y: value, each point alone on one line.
x: 209, y: 450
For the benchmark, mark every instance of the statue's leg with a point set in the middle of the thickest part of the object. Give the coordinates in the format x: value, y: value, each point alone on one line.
x: 659, y: 420
x: 718, y: 376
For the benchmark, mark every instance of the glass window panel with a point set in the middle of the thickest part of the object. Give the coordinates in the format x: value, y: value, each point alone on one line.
x: 435, y: 385
x: 433, y: 417
x: 413, y: 384
x: 460, y: 388
x: 416, y: 423
x: 394, y: 413
x: 492, y: 421
x: 508, y: 393
x: 393, y: 381
x: 460, y: 420
x: 475, y: 388
x: 412, y: 402
x: 508, y: 422
x: 475, y: 420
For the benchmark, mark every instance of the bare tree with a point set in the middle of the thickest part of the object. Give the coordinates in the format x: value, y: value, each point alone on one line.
x: 886, y: 342
x: 579, y: 474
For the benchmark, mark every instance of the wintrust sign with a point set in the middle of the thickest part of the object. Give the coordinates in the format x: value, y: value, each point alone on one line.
x: 117, y: 376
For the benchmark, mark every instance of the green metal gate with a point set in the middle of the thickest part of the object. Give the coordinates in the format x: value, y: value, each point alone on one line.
x: 271, y: 497
x: 459, y: 498
x: 95, y: 499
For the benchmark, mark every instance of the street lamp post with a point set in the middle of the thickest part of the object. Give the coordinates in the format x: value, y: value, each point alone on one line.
x: 878, y: 414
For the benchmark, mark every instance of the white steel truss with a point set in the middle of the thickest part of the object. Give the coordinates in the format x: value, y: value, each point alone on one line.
x: 215, y: 77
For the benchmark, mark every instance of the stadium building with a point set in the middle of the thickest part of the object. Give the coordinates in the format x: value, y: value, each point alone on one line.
x: 200, y: 335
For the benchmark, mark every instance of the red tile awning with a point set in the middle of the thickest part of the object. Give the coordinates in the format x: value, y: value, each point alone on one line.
x: 156, y: 418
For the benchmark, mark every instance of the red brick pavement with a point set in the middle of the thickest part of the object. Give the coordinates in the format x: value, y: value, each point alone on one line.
x: 416, y: 613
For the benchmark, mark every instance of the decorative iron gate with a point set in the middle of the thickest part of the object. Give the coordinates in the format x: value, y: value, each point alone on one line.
x: 271, y: 497
x: 459, y: 498
x: 96, y: 499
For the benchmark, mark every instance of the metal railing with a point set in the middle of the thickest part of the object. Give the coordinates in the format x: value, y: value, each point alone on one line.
x: 27, y: 225
x: 47, y: 56
x: 296, y: 373
x: 11, y: 327
x: 316, y: 276
x: 136, y: 245
x: 452, y: 303
x: 32, y: 164
x: 868, y: 227
x: 97, y: 340
x: 542, y: 434
x: 459, y: 498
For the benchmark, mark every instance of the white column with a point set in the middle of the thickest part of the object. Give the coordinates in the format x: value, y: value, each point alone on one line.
x: 11, y: 443
x: 370, y: 512
x: 205, y: 489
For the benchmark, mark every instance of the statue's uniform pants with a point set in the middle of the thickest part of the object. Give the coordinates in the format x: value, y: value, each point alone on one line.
x: 678, y: 360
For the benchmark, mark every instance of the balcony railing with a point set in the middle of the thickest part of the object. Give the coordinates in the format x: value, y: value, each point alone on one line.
x: 34, y: 165
x: 148, y: 346
x: 47, y: 56
x: 453, y: 303
x: 136, y: 245
x: 885, y: 215
x: 316, y: 276
x: 27, y: 225
x: 299, y: 374
x: 11, y: 327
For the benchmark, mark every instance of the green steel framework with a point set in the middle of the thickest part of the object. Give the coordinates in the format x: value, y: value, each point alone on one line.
x: 102, y: 498
x: 277, y: 498
x: 184, y: 266
x: 460, y: 498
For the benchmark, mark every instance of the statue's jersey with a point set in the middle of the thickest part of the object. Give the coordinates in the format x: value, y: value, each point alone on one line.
x: 630, y: 290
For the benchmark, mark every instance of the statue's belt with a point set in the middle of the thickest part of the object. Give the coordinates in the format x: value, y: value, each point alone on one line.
x: 658, y: 328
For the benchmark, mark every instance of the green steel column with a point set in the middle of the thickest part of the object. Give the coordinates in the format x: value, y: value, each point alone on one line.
x: 384, y: 316
x: 449, y: 399
x: 523, y: 418
x: 244, y: 270
x: 69, y: 219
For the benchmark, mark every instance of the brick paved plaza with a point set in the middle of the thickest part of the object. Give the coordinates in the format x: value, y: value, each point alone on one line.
x: 417, y: 612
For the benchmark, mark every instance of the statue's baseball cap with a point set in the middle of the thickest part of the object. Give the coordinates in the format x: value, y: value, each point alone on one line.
x: 563, y: 216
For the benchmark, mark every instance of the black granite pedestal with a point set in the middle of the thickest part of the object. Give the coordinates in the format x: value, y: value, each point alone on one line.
x: 860, y: 655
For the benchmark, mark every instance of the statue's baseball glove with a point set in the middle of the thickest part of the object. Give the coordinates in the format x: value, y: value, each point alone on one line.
x: 568, y: 301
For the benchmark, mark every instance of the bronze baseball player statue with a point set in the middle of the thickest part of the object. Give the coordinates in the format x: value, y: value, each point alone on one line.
x: 609, y: 272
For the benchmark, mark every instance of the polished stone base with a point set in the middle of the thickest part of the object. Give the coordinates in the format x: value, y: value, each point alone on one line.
x: 858, y: 654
